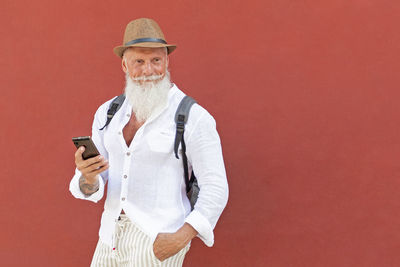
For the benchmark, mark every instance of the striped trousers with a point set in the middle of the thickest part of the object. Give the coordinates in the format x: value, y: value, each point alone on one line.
x: 133, y: 248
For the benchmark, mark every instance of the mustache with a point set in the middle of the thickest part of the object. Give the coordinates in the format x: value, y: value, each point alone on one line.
x: 147, y: 78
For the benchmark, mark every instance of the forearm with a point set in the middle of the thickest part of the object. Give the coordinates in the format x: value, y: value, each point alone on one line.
x: 186, y: 233
x: 88, y: 187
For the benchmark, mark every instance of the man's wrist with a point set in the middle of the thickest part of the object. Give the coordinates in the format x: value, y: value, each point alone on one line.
x: 89, y: 186
x: 186, y: 233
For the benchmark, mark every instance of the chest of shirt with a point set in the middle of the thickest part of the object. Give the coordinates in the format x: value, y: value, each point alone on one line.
x: 153, y: 141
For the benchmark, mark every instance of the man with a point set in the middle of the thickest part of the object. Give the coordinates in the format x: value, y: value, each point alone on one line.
x: 147, y: 218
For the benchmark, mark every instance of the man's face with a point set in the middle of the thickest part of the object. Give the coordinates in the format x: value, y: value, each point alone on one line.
x: 145, y: 62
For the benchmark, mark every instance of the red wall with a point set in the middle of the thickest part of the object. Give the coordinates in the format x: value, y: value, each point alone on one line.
x: 305, y: 94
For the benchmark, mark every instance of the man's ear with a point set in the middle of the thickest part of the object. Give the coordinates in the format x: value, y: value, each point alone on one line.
x: 166, y: 52
x: 124, y: 65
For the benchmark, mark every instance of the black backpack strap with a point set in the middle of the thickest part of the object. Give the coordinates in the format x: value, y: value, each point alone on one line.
x: 113, y: 108
x: 181, y: 117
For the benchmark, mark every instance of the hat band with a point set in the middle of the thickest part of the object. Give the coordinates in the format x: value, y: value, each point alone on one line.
x: 145, y: 40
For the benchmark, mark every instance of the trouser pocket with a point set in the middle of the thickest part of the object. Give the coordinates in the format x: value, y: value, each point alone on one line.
x: 155, y: 260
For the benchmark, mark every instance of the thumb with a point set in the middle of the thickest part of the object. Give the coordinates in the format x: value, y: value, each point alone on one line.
x: 78, y: 153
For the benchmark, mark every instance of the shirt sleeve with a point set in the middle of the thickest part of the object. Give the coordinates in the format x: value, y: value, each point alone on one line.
x: 98, y: 139
x: 76, y: 191
x: 205, y: 156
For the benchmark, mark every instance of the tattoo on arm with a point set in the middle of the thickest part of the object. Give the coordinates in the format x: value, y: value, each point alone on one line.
x: 87, y: 188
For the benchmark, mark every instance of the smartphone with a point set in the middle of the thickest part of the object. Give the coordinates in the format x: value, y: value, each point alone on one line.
x: 90, y: 149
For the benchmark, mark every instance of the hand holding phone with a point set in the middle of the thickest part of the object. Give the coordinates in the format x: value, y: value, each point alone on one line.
x: 88, y: 159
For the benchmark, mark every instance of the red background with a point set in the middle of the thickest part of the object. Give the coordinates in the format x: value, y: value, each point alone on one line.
x: 305, y: 94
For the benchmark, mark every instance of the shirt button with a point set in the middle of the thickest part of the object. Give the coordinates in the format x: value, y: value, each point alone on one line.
x: 128, y: 115
x: 128, y: 153
x: 119, y: 133
x: 123, y: 199
x: 125, y: 176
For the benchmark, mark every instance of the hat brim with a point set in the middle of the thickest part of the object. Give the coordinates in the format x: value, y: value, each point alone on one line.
x: 119, y: 50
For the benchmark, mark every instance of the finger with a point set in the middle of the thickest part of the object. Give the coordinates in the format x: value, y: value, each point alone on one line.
x: 78, y: 153
x: 83, y: 165
x: 94, y: 160
x: 96, y: 166
x: 101, y: 169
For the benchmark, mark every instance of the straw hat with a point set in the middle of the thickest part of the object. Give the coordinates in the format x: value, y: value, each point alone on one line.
x: 143, y: 32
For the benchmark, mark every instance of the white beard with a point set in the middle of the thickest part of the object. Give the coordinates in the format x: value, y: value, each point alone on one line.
x: 147, y: 98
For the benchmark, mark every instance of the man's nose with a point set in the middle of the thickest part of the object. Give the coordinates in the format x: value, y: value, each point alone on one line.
x: 147, y: 69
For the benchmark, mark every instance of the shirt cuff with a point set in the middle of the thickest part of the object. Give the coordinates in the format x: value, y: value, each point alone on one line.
x: 76, y: 191
x: 202, y: 226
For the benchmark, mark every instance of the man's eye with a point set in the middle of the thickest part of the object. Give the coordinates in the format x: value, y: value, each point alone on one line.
x: 139, y: 61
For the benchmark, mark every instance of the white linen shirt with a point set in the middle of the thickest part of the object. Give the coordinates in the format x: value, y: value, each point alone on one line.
x: 146, y: 180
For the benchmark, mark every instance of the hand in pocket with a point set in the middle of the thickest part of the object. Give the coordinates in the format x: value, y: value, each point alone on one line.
x: 167, y: 245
